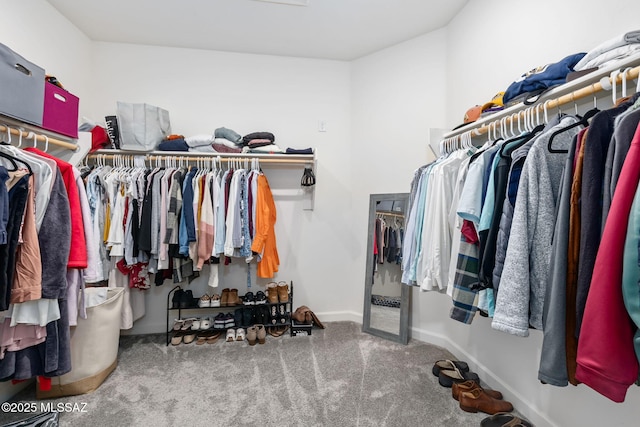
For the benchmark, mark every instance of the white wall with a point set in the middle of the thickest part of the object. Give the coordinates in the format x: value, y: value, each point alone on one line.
x: 38, y: 32
x: 397, y: 96
x: 27, y: 29
x: 488, y: 46
x: 204, y: 90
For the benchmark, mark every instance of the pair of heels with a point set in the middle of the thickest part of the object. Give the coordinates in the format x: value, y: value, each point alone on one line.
x: 453, y: 371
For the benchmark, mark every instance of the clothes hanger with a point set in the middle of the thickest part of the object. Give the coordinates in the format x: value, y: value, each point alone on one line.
x: 584, y: 121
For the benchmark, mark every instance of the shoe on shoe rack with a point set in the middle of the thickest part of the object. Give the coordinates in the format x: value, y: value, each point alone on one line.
x: 283, y: 292
x: 238, y: 318
x: 252, y: 335
x: 273, y: 314
x: 248, y: 316
x: 177, y: 336
x: 272, y: 293
x: 204, y: 301
x: 229, y: 321
x: 214, y: 300
x: 186, y: 299
x: 240, y: 334
x: 219, y: 321
x: 262, y: 315
x: 261, y: 298
x: 189, y: 337
x: 261, y: 333
x: 447, y: 377
x: 205, y: 323
x: 233, y: 298
x: 458, y: 388
x: 478, y: 400
x: 175, y: 300
x: 249, y: 299
x: 195, y: 325
x: 224, y: 299
x: 449, y: 364
x: 231, y: 335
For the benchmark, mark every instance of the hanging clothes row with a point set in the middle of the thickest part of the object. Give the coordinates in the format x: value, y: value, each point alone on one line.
x: 171, y: 220
x: 388, y: 238
x: 42, y: 254
x: 531, y: 230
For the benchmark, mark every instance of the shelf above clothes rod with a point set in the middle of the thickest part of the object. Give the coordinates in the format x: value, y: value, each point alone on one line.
x: 588, y: 85
x: 282, y: 159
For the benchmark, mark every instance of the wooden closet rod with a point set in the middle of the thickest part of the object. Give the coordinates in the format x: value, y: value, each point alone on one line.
x: 38, y: 137
x: 385, y: 213
x: 568, y: 98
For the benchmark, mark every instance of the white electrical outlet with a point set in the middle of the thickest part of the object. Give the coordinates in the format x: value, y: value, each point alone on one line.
x: 322, y: 126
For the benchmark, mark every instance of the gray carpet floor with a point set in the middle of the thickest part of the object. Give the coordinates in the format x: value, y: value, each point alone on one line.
x: 338, y: 376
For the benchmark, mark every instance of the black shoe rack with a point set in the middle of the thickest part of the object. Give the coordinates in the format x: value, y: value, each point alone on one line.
x: 192, y: 308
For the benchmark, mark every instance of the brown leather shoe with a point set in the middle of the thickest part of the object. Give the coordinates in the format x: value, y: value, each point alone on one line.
x: 478, y: 400
x: 233, y: 298
x: 458, y: 388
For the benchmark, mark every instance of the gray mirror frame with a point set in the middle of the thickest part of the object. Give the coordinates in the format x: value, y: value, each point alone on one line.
x: 405, y: 297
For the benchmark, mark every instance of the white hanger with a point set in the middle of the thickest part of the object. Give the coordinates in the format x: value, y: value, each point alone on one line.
x: 46, y: 143
x: 614, y: 82
x: 8, y: 134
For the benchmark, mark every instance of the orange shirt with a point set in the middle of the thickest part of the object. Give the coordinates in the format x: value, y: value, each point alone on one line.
x: 264, y: 240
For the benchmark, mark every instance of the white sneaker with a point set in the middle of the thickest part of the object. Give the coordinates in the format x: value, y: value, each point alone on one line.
x: 231, y: 335
x: 214, y: 301
x: 240, y: 334
x: 204, y: 301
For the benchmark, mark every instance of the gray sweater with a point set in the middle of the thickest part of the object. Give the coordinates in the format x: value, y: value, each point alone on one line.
x: 520, y: 298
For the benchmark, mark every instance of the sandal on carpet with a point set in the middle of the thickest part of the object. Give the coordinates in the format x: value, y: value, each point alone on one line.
x: 447, y: 377
x: 449, y: 364
x: 214, y: 337
x: 240, y: 334
x: 189, y: 337
x: 201, y: 337
x: 503, y: 419
x: 231, y: 335
x: 177, y: 338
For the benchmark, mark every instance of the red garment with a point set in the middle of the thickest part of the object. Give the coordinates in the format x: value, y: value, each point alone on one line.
x: 469, y: 232
x: 138, y: 273
x: 606, y: 358
x: 78, y: 250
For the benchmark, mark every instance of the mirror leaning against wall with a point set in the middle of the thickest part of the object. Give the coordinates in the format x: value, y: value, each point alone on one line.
x: 387, y: 300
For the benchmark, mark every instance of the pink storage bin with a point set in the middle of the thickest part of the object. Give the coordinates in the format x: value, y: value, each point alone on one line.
x: 60, y: 111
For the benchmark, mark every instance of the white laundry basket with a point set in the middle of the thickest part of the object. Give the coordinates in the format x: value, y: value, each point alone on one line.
x: 94, y: 348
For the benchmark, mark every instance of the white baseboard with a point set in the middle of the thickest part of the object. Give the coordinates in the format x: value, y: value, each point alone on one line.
x: 340, y: 316
x: 491, y: 378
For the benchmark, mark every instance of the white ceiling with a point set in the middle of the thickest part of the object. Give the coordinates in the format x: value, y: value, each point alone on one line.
x: 330, y: 29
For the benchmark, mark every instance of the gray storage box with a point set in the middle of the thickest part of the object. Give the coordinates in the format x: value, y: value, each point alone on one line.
x: 21, y: 87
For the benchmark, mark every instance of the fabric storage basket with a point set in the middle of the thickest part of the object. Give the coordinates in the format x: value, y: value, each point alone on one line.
x: 94, y: 348
x: 142, y: 126
x: 21, y: 87
x: 60, y: 111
